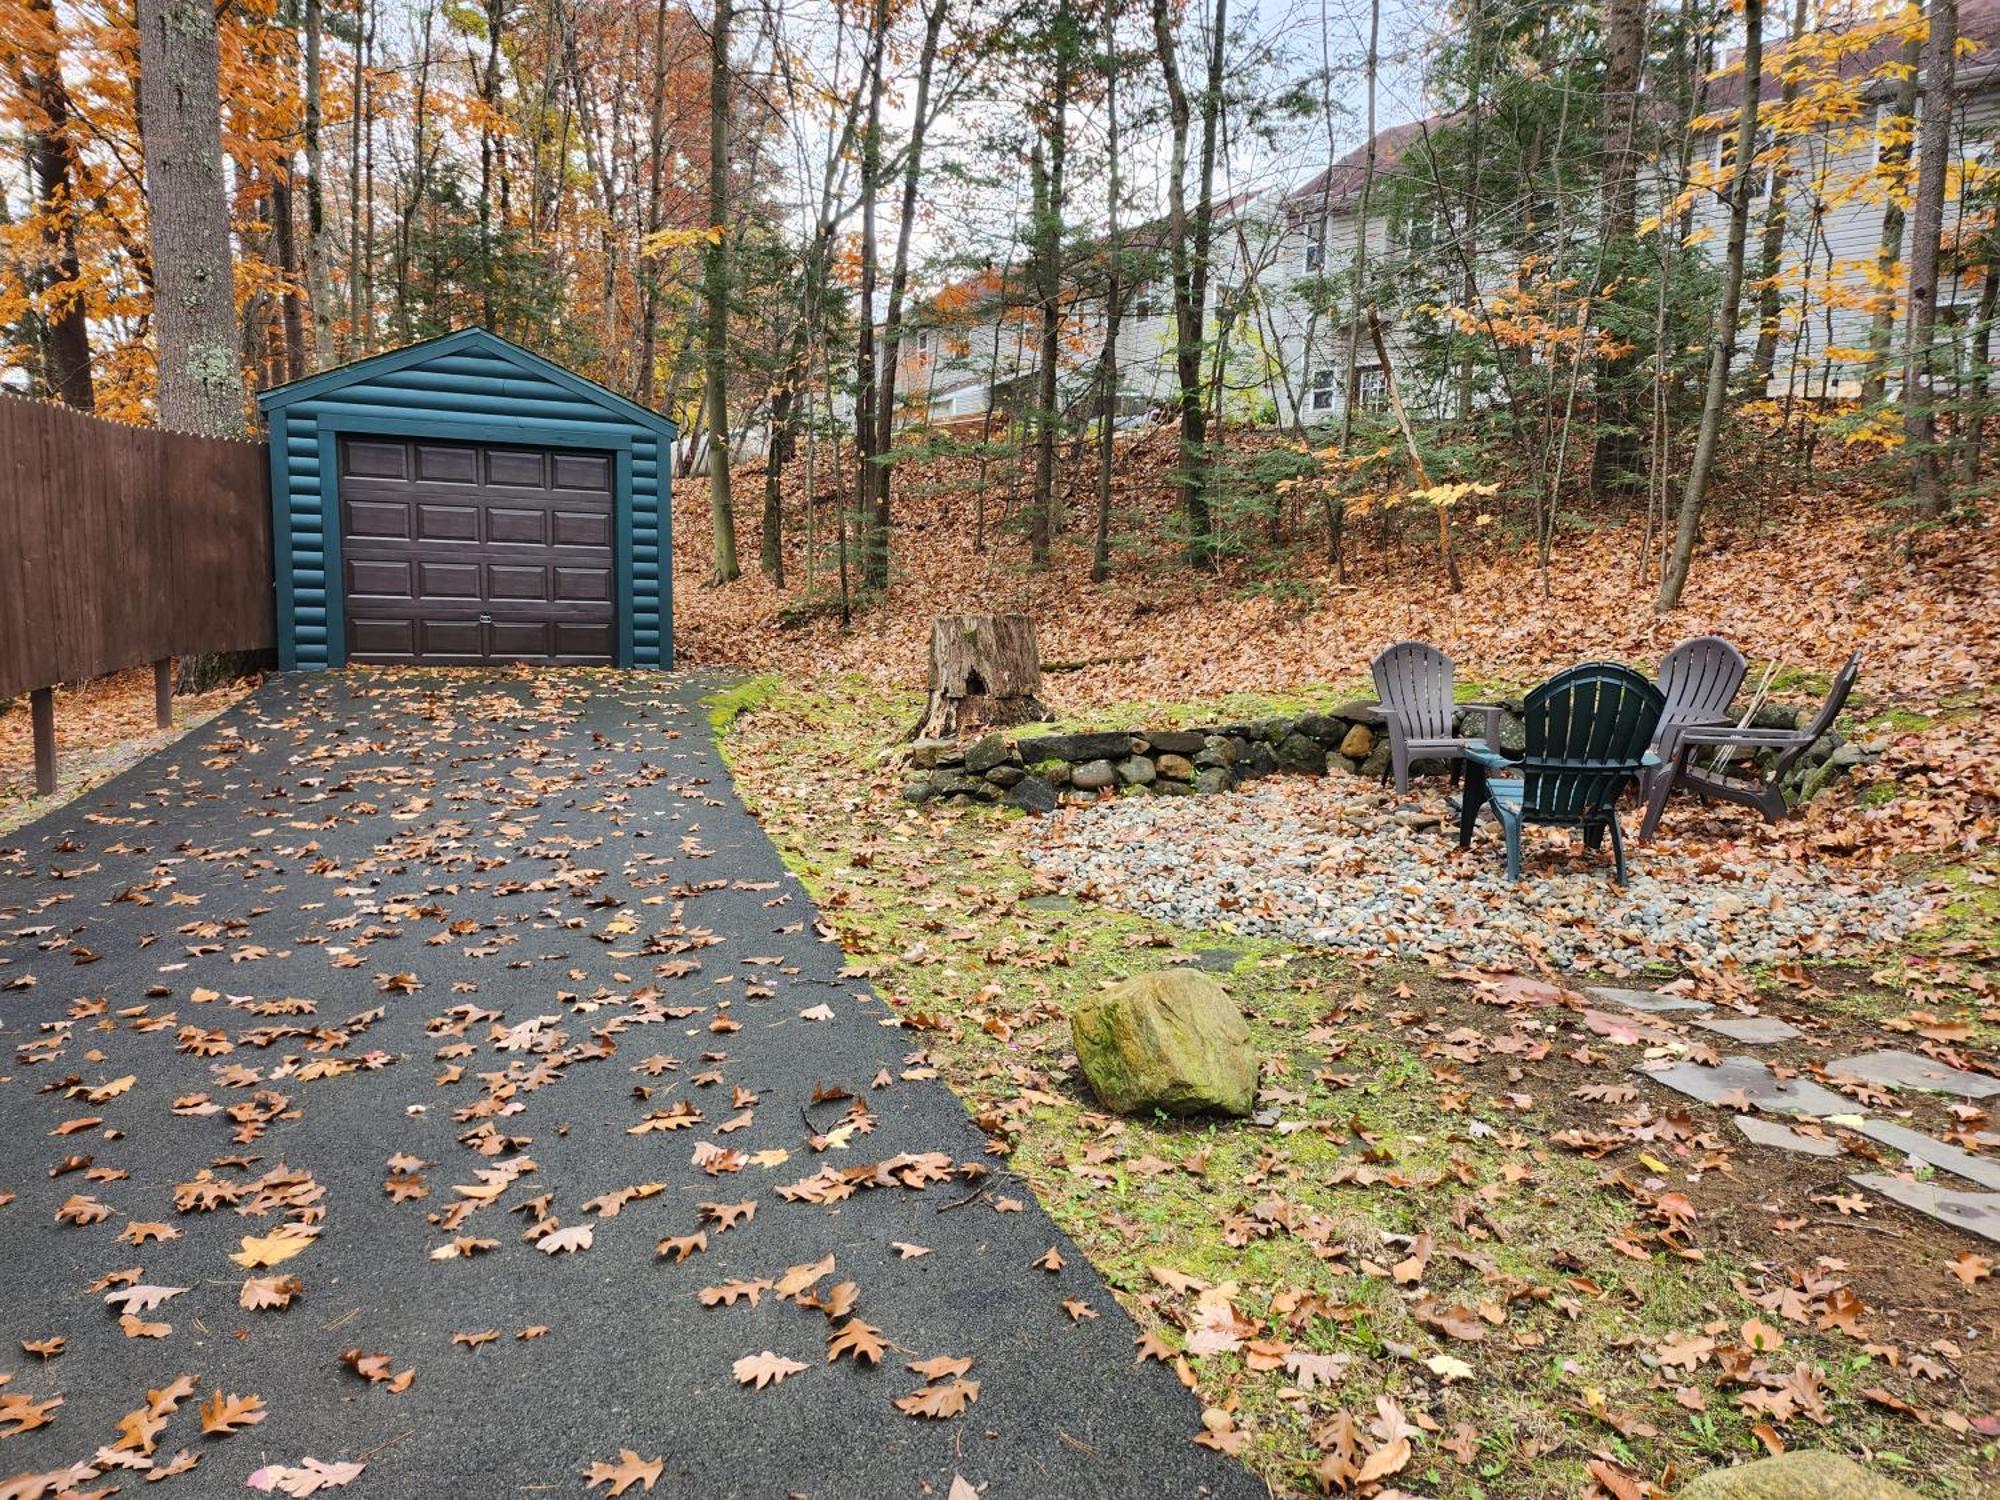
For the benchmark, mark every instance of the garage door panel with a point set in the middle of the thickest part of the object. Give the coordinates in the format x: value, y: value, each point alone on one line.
x: 378, y: 518
x: 529, y: 470
x: 439, y: 463
x: 447, y: 523
x: 382, y: 640
x: 513, y: 526
x: 454, y: 553
x: 527, y: 639
x: 582, y: 471
x: 582, y: 585
x: 448, y: 580
x: 380, y: 578
x: 576, y: 528
x: 578, y: 641
x: 516, y: 581
x: 375, y: 460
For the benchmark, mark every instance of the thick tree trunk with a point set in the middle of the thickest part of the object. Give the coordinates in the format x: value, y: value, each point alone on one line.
x: 1674, y: 577
x: 715, y: 292
x: 985, y: 674
x: 194, y: 308
x: 285, y: 240
x: 61, y: 318
x: 1926, y: 233
x: 1049, y: 173
x: 1973, y: 422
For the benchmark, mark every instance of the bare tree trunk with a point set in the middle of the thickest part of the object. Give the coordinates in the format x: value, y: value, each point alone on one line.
x: 1189, y: 255
x: 319, y: 244
x: 285, y: 239
x: 715, y: 294
x: 1926, y: 232
x: 1895, y: 166
x: 1114, y: 311
x: 1048, y: 173
x: 899, y: 272
x: 648, y: 375
x: 1673, y: 577
x: 1614, y: 458
x: 489, y: 95
x: 1974, y: 420
x: 194, y: 308
x: 875, y: 544
x: 1771, y: 257
x: 61, y: 319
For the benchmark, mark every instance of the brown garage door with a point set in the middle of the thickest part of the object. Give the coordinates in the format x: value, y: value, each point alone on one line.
x: 452, y: 553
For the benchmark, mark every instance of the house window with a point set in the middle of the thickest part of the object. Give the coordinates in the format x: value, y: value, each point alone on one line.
x: 1420, y: 230
x: 1144, y: 306
x: 1371, y: 388
x: 1315, y: 244
x: 1325, y: 382
x: 922, y: 341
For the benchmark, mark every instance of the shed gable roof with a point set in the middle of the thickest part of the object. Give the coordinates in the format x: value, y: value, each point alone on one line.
x: 464, y: 341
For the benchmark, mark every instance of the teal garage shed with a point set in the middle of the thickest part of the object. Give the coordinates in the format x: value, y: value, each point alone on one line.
x: 463, y: 501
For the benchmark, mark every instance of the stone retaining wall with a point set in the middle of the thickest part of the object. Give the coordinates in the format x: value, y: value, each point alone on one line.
x: 1037, y: 772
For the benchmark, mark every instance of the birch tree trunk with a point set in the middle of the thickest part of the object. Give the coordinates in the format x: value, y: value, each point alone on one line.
x: 194, y: 306
x: 1673, y: 578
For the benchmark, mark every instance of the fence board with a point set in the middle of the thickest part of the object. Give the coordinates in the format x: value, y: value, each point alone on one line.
x: 120, y: 545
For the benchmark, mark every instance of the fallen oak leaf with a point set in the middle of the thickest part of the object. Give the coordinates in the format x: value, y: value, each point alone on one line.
x: 308, y: 1477
x: 941, y: 1401
x: 260, y: 1293
x: 261, y: 1252
x: 140, y: 1299
x: 766, y: 1368
x: 139, y: 1328
x: 222, y: 1414
x: 47, y: 1348
x: 630, y: 1469
x: 861, y: 1341
x: 565, y: 1241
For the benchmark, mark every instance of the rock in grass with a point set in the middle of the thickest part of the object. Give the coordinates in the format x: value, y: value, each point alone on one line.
x: 1809, y: 1474
x: 1171, y: 1041
x: 1032, y: 794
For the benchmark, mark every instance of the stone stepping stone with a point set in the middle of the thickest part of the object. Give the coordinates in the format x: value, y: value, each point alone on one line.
x: 1752, y: 1031
x: 1764, y: 1132
x: 1943, y: 1155
x: 1896, y: 1069
x: 1976, y: 1213
x: 1646, y: 1000
x: 1762, y: 1087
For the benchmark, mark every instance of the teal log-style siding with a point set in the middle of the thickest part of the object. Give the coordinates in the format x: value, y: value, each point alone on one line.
x: 474, y: 387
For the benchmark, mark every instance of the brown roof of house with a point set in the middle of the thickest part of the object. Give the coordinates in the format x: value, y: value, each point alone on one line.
x: 1978, y: 21
x: 1340, y: 184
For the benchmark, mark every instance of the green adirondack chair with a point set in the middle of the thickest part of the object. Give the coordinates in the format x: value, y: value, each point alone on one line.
x: 1587, y: 731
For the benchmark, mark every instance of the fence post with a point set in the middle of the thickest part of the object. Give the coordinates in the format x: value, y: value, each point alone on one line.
x: 163, y: 692
x: 42, y: 711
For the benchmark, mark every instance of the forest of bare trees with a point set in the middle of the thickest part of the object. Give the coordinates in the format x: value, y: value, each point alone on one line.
x: 1555, y: 254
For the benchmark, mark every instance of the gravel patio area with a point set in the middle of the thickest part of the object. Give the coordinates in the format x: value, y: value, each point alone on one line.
x: 1337, y: 864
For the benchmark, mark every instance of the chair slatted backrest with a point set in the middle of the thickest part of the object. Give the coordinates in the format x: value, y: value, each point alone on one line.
x: 1700, y: 678
x: 1836, y: 700
x: 1414, y: 680
x: 1587, y: 729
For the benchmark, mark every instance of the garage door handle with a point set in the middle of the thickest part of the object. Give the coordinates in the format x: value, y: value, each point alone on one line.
x: 486, y: 619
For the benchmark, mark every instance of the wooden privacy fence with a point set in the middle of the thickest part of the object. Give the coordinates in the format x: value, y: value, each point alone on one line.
x: 121, y: 546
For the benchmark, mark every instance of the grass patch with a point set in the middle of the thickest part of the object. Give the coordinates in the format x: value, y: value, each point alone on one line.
x: 726, y: 705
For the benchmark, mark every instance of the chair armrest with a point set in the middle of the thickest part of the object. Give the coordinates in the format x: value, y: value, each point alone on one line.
x: 1487, y: 756
x: 1650, y: 762
x: 1743, y: 739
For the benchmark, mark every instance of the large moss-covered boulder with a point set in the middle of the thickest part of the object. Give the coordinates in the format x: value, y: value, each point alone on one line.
x: 1810, y: 1474
x: 1172, y: 1041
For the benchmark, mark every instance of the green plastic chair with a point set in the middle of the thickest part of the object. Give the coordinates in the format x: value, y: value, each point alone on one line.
x: 1587, y: 735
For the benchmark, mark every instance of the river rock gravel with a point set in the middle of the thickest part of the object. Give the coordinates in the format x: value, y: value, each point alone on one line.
x: 1336, y: 864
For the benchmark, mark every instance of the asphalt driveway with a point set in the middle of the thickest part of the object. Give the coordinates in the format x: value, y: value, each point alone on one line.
x: 453, y: 998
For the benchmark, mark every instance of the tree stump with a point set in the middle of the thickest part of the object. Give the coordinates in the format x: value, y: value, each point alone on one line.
x: 985, y: 674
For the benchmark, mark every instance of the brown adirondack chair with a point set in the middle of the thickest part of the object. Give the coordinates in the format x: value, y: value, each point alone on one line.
x: 1748, y: 782
x: 1413, y: 681
x: 1700, y: 678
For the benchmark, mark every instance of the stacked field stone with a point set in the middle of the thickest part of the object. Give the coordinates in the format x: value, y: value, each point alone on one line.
x: 1038, y: 772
